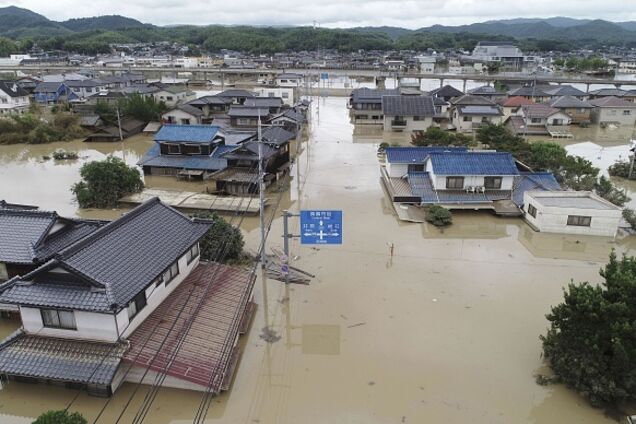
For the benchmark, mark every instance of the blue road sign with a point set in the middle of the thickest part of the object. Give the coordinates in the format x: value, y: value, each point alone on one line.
x: 321, y: 227
x: 324, y: 76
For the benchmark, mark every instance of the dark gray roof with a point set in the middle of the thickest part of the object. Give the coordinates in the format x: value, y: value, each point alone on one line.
x: 570, y: 102
x: 565, y: 90
x: 606, y: 92
x: 12, y: 89
x: 371, y: 95
x: 480, y: 110
x: 471, y: 100
x: 47, y: 87
x: 190, y: 110
x: 210, y: 100
x: 60, y: 359
x: 408, y: 106
x: 529, y: 91
x: 485, y: 90
x: 235, y: 93
x: 153, y: 157
x: 276, y: 135
x: 83, y: 83
x: 264, y: 102
x: 248, y: 112
x: 123, y: 257
x: 249, y: 151
x: 446, y: 91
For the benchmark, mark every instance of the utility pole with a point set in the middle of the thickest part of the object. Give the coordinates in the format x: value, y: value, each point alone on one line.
x: 631, y: 166
x: 261, y: 190
x: 121, y: 136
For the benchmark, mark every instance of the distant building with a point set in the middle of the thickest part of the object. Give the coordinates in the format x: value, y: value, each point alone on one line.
x: 613, y: 110
x: 502, y: 53
x: 13, y: 99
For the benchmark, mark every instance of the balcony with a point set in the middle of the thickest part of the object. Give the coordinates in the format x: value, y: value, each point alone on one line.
x: 398, y: 123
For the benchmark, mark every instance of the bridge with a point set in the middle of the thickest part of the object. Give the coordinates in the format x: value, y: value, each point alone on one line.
x: 223, y: 73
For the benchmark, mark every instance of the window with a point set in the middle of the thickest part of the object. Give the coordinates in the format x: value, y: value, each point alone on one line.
x: 193, y: 253
x: 185, y: 121
x: 89, y: 90
x: 535, y: 120
x: 170, y: 273
x: 137, y: 304
x: 579, y: 221
x: 418, y: 118
x: 55, y: 318
x: 416, y: 168
x: 532, y: 211
x: 285, y: 95
x: 455, y: 182
x: 468, y: 119
x: 173, y: 149
x: 627, y: 112
x: 493, y: 182
x: 169, y: 98
x: 191, y: 149
x: 271, y: 94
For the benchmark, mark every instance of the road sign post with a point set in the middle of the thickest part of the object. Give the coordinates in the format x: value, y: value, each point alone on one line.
x: 320, y: 227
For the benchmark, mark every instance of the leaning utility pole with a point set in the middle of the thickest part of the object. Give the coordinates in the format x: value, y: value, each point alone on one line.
x: 261, y: 191
x: 121, y: 136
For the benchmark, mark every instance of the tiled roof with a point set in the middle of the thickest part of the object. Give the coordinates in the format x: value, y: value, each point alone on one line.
x: 190, y: 109
x: 446, y: 91
x: 153, y: 157
x: 249, y: 112
x: 528, y: 91
x: 125, y: 255
x: 473, y: 163
x: 20, y: 233
x: 57, y: 296
x: 516, y: 101
x: 565, y: 90
x: 12, y: 89
x: 469, y: 100
x: 371, y: 95
x: 249, y: 150
x: 276, y: 135
x: 485, y: 90
x: 485, y: 110
x: 532, y: 181
x: 611, y: 101
x: 570, y: 102
x: 408, y: 106
x: 235, y: 93
x: 606, y: 92
x: 538, y: 110
x: 187, y: 133
x: 210, y: 100
x: 60, y: 359
x: 415, y: 154
x: 47, y: 87
x: 264, y: 102
x: 60, y: 240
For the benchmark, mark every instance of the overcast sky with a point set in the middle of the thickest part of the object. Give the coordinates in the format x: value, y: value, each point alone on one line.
x: 330, y: 13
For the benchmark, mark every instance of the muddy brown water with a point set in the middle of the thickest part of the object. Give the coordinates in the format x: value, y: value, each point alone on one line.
x: 446, y: 331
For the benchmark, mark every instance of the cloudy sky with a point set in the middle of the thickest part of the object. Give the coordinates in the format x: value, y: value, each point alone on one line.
x: 330, y: 13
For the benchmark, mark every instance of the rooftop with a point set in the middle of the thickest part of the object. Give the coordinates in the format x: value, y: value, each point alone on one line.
x: 187, y: 133
x: 415, y: 154
x: 571, y: 200
x: 473, y: 163
x: 408, y: 106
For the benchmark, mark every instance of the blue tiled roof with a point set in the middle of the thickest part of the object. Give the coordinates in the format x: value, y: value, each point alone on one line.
x: 213, y: 162
x: 187, y: 133
x: 415, y: 154
x: 533, y: 181
x: 473, y: 163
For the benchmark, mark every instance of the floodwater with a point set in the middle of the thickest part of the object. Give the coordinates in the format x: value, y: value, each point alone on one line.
x: 445, y: 331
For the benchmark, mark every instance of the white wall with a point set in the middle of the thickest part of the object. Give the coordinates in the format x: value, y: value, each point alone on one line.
x: 287, y: 94
x: 177, y: 115
x: 461, y: 125
x: 554, y: 220
x: 614, y: 115
x: 397, y: 170
x: 411, y: 124
x: 439, y: 181
x: 154, y: 297
x: 90, y: 325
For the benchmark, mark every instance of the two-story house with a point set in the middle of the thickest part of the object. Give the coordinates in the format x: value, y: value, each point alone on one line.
x: 86, y: 88
x: 13, y: 99
x: 366, y: 105
x: 79, y: 307
x: 247, y: 117
x: 613, y: 110
x: 191, y: 151
x: 469, y: 112
x: 407, y: 113
x: 53, y: 92
x: 578, y: 110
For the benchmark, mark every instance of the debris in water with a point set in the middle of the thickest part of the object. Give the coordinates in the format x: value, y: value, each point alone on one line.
x: 434, y: 300
x: 269, y: 335
x: 371, y: 383
x: 343, y: 317
x: 356, y: 325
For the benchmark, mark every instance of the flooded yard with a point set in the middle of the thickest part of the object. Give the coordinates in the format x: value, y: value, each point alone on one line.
x: 445, y: 331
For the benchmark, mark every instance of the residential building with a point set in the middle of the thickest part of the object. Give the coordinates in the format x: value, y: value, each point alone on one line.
x: 407, y: 113
x: 184, y: 114
x: 613, y: 110
x: 235, y: 96
x: 487, y: 91
x: 247, y: 117
x: 53, y: 92
x: 469, y: 112
x: 446, y: 93
x: 85, y: 88
x: 172, y: 95
x: 578, y: 110
x: 511, y: 105
x: 571, y: 212
x: 127, y: 128
x: 289, y: 80
x: 285, y: 93
x: 13, y: 99
x: 291, y: 120
x: 501, y: 53
x: 565, y: 90
x: 366, y: 105
x: 273, y: 104
x: 531, y: 92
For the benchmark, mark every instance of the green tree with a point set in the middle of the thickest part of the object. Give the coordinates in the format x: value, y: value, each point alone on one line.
x: 438, y: 216
x: 434, y: 136
x: 222, y: 242
x: 578, y: 173
x: 500, y: 138
x: 105, y: 182
x: 547, y: 156
x: 621, y: 169
x: 630, y: 217
x: 60, y: 417
x: 141, y: 107
x: 591, y: 342
x: 609, y: 192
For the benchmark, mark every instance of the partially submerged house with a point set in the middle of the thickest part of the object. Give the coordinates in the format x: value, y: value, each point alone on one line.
x: 456, y: 178
x: 96, y: 299
x: 578, y: 110
x: 53, y: 92
x: 366, y: 105
x: 273, y: 104
x: 191, y: 151
x: 613, y: 110
x: 571, y: 212
x: 184, y: 114
x: 127, y: 128
x: 13, y: 99
x: 446, y: 93
x: 468, y: 113
x: 407, y: 113
x: 247, y: 117
x: 537, y: 119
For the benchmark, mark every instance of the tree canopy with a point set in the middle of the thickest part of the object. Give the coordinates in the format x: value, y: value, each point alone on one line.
x: 60, y: 417
x: 223, y: 242
x: 591, y: 342
x: 105, y: 182
x: 434, y: 136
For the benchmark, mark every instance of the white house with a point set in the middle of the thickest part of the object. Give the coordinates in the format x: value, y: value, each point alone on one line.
x: 285, y: 93
x: 173, y: 95
x: 289, y: 80
x: 183, y: 114
x: 571, y: 212
x: 407, y: 113
x: 13, y: 99
x: 472, y: 171
x: 469, y: 112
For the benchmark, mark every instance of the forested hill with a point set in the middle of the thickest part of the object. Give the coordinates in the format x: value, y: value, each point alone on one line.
x: 21, y: 28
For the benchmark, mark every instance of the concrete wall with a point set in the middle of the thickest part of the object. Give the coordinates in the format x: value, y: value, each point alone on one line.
x: 397, y: 170
x: 90, y: 325
x: 601, y: 114
x: 554, y: 220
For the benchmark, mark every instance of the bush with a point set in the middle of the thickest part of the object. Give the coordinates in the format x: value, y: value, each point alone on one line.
x: 630, y: 217
x: 28, y: 128
x: 223, y: 242
x: 607, y: 191
x: 104, y: 183
x: 438, y: 216
x: 591, y: 343
x: 621, y: 169
x: 434, y: 136
x: 60, y: 417
x: 64, y: 155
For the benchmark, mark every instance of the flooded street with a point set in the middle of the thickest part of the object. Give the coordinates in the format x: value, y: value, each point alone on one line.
x: 445, y: 331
